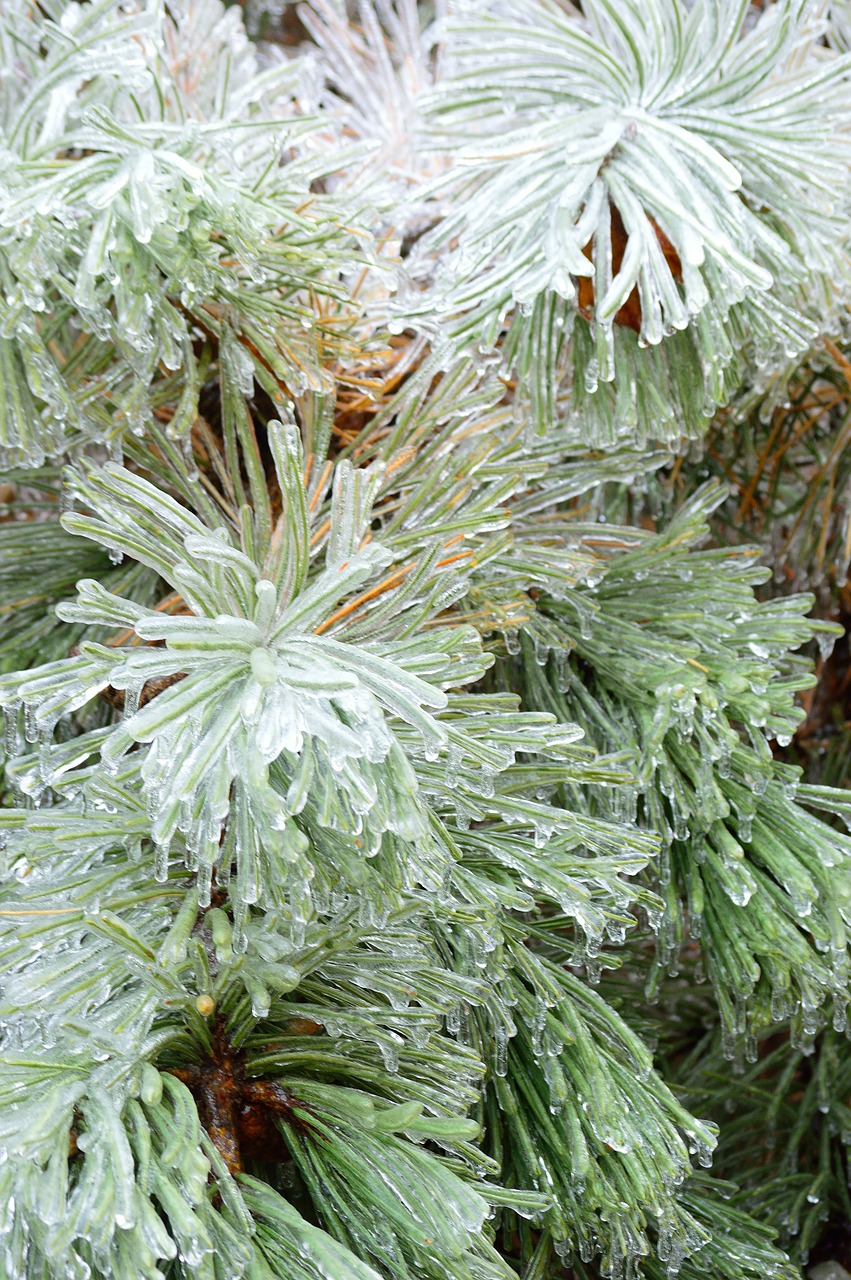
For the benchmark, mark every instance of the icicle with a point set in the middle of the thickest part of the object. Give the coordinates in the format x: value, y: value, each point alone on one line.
x: 463, y: 816
x: 192, y: 472
x: 30, y: 723
x: 161, y: 852
x: 536, y: 1025
x: 500, y: 1058
x: 543, y: 833
x: 781, y: 1009
x: 261, y: 1001
x: 664, y: 866
x: 454, y: 760
x: 725, y: 753
x: 45, y: 769
x: 301, y: 907
x: 810, y: 1018
x: 10, y: 716
x: 389, y: 1048
x: 239, y: 937
x: 616, y: 932
x: 203, y: 882
x: 512, y: 642
x: 703, y: 1149
x: 131, y: 700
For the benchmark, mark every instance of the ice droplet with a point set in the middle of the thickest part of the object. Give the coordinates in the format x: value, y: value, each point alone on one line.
x: 161, y: 863
x: 261, y: 1001
x: 389, y: 1050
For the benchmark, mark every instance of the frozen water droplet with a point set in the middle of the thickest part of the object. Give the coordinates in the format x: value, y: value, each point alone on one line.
x: 161, y: 863
x: 389, y: 1050
x: 261, y: 1001
x: 203, y: 882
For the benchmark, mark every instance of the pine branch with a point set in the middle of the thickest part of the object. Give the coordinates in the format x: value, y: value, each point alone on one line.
x: 388, y: 759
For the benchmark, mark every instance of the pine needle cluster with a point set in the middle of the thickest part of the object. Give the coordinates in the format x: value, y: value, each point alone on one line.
x: 422, y: 433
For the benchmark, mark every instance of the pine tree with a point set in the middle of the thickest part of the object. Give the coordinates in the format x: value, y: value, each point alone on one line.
x: 424, y: 527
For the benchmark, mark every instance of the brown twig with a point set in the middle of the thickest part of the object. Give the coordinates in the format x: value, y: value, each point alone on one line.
x: 239, y: 1112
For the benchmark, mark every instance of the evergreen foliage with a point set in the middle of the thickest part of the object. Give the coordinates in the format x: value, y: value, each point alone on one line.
x: 409, y: 867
